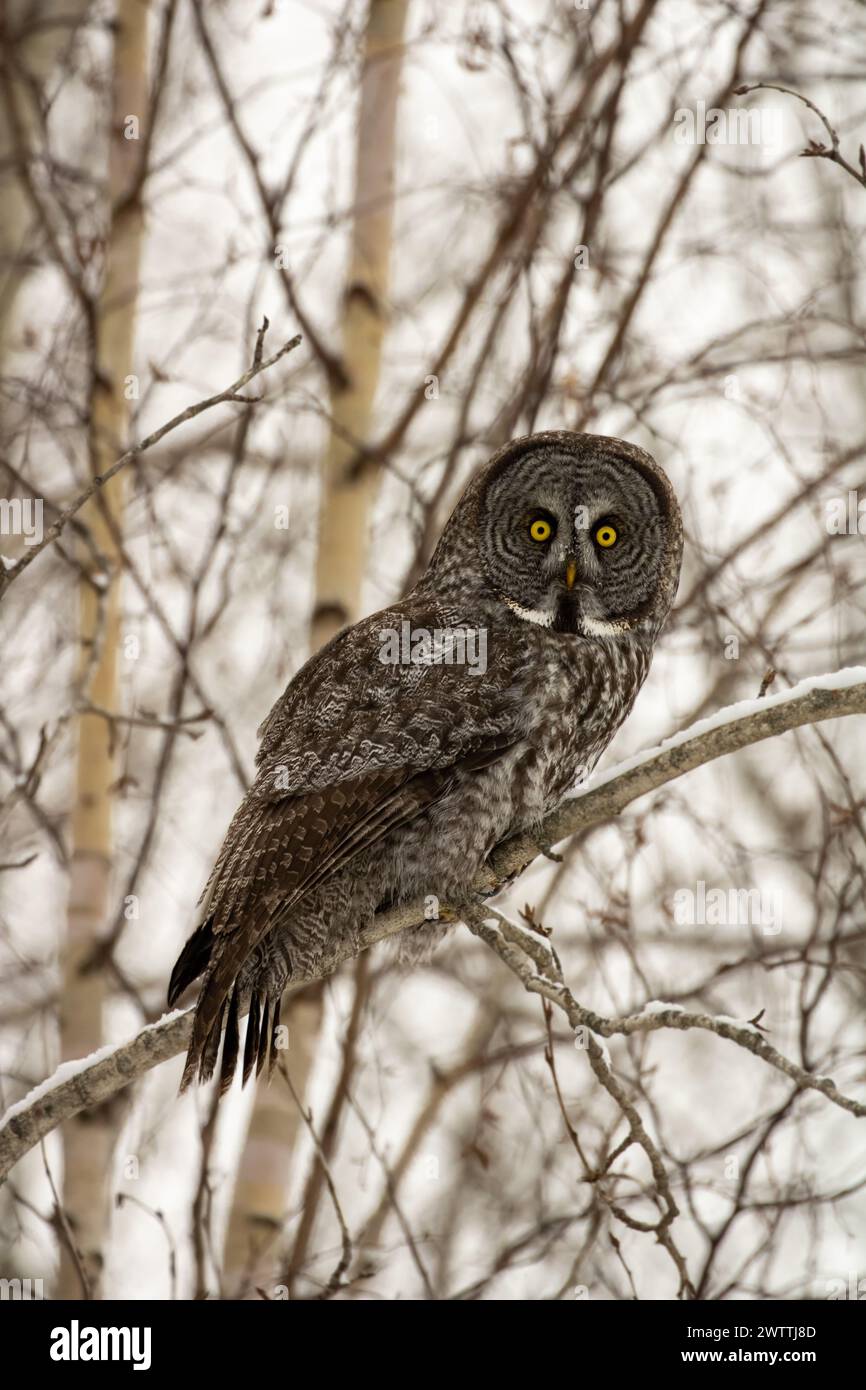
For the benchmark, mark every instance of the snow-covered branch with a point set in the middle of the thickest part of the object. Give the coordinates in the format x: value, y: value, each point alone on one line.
x: 80, y: 1085
x: 515, y: 947
x: 748, y: 721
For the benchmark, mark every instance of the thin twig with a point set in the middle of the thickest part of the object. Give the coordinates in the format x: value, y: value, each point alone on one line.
x: 814, y: 150
x: 7, y: 575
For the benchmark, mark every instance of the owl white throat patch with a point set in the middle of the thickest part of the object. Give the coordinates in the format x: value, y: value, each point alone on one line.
x: 543, y: 617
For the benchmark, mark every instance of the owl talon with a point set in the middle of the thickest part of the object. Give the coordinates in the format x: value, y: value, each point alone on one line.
x: 551, y: 854
x: 491, y: 890
x: 455, y: 911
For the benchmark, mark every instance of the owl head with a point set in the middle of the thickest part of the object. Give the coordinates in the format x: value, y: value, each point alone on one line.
x: 579, y: 533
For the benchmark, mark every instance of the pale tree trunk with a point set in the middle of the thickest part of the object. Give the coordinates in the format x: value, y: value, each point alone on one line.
x: 89, y: 1140
x: 344, y: 516
x: 260, y: 1195
x: 36, y: 54
x: 348, y: 496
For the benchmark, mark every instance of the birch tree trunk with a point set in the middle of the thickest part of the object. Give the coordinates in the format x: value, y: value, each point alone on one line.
x: 344, y: 516
x: 88, y: 1142
x: 347, y: 499
x: 39, y: 51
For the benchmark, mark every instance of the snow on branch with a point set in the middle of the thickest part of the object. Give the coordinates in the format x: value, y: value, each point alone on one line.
x: 80, y: 1085
x: 547, y: 981
x: 749, y: 721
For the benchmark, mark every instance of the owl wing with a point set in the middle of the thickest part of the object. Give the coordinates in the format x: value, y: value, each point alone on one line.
x: 356, y: 747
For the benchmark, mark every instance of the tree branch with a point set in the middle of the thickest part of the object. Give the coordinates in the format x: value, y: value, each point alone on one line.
x: 81, y: 1085
x: 67, y: 513
x: 520, y: 949
x: 815, y: 150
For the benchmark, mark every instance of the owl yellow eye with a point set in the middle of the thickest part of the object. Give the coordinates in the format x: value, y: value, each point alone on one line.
x: 605, y: 536
x: 541, y: 529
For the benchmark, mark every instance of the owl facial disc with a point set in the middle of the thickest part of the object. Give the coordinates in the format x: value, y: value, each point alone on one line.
x: 580, y: 534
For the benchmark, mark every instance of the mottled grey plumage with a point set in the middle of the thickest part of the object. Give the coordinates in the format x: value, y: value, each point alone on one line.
x: 379, y: 782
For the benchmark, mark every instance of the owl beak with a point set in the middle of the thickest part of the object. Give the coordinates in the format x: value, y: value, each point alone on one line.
x: 570, y: 574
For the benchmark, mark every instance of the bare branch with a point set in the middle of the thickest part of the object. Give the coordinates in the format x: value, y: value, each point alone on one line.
x: 79, y: 1086
x: 64, y: 516
x: 814, y: 150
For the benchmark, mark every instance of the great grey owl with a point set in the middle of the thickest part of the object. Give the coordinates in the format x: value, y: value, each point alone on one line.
x: 412, y: 743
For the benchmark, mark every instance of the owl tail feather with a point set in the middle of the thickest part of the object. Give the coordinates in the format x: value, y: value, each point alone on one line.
x: 192, y: 961
x: 203, y: 1051
x: 251, y: 1043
